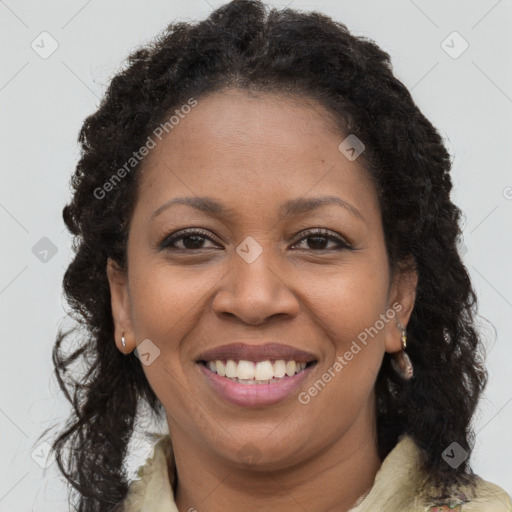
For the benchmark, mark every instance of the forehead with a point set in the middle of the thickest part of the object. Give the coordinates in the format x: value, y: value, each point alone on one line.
x: 252, y: 149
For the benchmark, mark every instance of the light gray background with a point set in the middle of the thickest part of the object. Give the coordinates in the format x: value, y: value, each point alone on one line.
x: 44, y: 102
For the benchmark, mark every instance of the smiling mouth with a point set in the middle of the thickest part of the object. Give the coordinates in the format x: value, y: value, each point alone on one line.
x: 256, y: 372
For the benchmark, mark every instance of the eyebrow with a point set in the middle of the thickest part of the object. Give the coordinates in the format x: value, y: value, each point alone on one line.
x: 287, y: 209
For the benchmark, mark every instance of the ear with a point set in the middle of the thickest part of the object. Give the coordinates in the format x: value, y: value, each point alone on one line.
x: 120, y: 303
x: 401, y: 300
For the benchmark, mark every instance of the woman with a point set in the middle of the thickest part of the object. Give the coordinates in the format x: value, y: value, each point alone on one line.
x: 266, y: 254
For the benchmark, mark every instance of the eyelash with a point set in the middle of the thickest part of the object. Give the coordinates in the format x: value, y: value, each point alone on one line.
x: 323, y: 233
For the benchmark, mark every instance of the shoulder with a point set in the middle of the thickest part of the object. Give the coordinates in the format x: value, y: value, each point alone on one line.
x: 402, y: 486
x: 153, y: 489
x: 482, y: 496
x: 485, y: 497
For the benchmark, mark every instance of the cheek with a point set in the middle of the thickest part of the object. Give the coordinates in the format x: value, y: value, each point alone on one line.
x: 165, y: 302
x: 350, y: 306
x: 349, y: 300
x: 164, y: 310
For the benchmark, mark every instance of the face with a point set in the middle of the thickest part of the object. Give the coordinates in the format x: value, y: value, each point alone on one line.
x: 261, y: 272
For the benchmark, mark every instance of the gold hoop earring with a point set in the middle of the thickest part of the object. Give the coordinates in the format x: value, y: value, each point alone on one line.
x: 403, y: 339
x: 401, y: 361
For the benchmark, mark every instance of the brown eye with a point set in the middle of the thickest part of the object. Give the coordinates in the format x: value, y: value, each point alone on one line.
x: 318, y: 239
x: 191, y: 240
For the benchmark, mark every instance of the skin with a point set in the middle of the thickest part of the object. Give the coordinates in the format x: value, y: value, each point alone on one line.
x: 253, y: 152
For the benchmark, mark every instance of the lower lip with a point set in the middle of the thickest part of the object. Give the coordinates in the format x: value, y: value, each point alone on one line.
x: 254, y: 395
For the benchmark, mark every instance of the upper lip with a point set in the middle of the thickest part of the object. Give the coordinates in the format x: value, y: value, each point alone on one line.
x: 268, y: 351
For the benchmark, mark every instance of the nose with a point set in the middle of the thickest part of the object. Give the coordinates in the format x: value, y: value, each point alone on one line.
x: 254, y: 292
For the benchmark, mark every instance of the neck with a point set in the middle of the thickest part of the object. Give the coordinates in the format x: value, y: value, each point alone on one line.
x: 333, y: 480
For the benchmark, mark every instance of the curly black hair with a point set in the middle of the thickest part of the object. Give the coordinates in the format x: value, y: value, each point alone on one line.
x: 247, y: 45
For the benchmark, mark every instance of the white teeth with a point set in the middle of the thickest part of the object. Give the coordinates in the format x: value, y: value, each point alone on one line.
x: 231, y: 369
x: 279, y: 368
x: 221, y: 368
x: 245, y: 370
x: 264, y: 371
x: 291, y: 367
x: 249, y: 372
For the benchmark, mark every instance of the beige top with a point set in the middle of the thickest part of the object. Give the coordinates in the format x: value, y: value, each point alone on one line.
x: 399, y: 486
